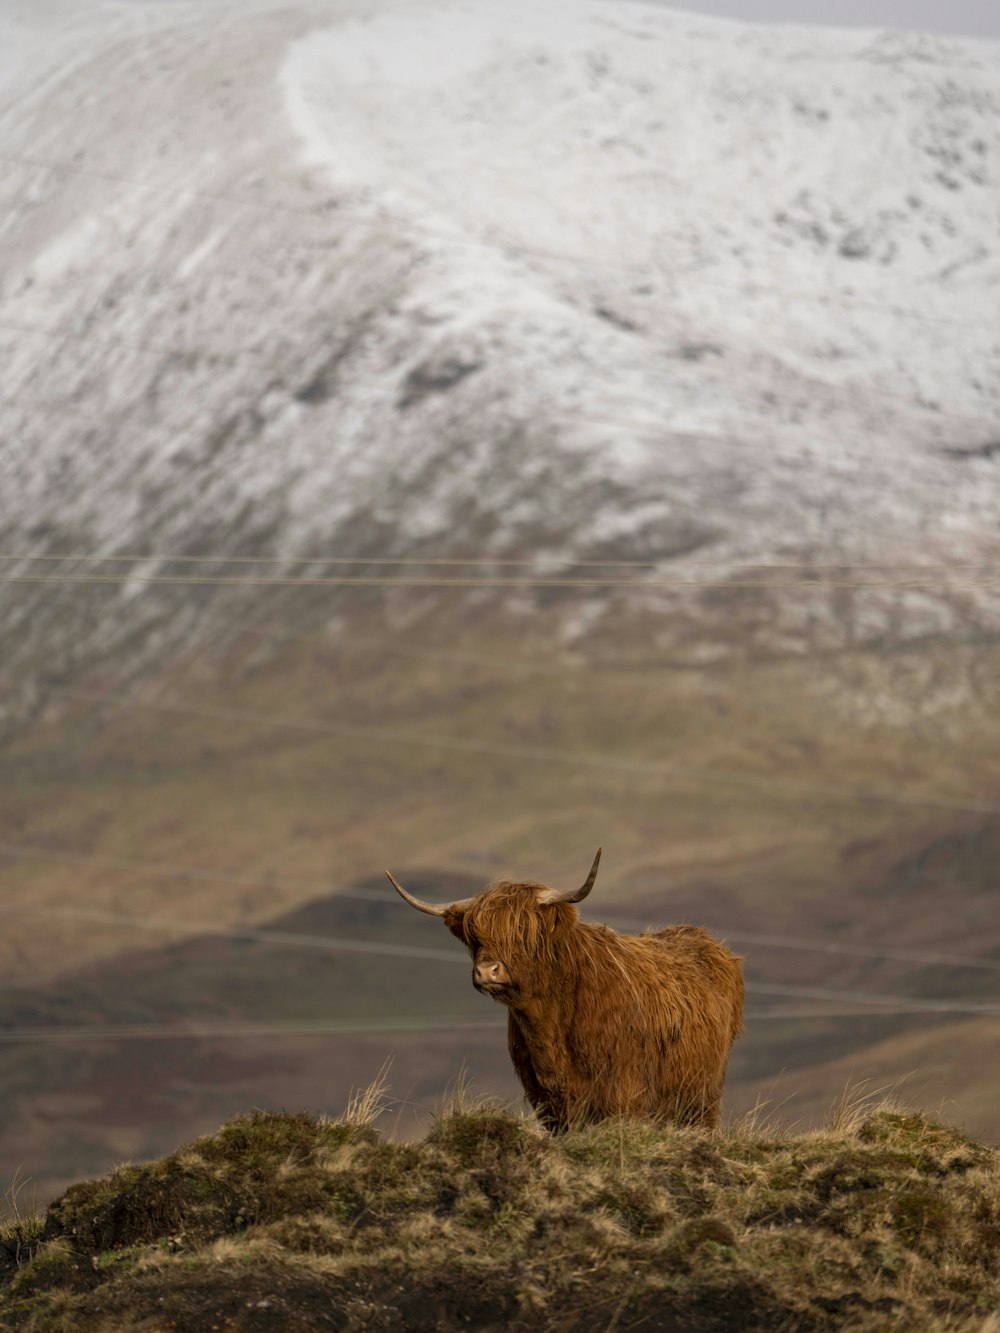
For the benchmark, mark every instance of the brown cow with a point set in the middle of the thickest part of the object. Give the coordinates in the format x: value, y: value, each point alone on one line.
x: 601, y: 1024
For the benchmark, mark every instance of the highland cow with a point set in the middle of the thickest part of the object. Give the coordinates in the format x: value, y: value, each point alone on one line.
x: 600, y: 1024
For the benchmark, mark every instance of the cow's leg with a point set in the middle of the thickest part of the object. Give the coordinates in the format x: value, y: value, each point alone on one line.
x: 551, y: 1110
x: 705, y: 1114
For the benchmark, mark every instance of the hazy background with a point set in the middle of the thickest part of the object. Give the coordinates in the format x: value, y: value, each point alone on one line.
x: 454, y: 437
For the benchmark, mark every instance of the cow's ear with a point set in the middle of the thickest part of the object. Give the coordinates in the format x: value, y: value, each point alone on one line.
x: 454, y: 919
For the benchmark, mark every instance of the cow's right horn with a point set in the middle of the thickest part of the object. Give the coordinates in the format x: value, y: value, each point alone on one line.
x: 551, y: 896
x: 460, y: 905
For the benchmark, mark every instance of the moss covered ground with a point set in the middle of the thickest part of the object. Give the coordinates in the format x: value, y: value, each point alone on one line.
x: 282, y: 1221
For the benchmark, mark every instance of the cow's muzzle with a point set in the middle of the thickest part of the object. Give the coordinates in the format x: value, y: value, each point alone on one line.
x: 490, y: 978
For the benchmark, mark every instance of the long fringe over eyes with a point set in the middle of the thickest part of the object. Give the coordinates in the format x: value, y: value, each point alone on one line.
x: 508, y: 923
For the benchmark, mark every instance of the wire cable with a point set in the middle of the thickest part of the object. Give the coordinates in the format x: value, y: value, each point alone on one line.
x: 845, y: 949
x: 276, y: 938
x: 163, y: 557
x: 190, y: 929
x: 384, y: 581
x: 582, y: 758
x: 213, y: 1030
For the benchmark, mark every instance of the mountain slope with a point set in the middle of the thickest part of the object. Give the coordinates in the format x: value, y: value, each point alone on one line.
x: 598, y: 282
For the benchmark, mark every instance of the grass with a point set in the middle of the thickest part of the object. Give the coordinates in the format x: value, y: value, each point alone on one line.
x: 883, y: 1219
x: 21, y: 1224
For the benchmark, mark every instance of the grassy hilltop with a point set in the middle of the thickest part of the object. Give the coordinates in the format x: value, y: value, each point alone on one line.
x: 283, y: 1221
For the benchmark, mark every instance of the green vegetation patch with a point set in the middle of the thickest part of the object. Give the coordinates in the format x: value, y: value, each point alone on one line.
x: 257, y: 1168
x: 282, y: 1221
x: 932, y: 1146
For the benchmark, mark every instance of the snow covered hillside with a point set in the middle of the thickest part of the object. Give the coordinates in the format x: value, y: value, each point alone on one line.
x: 593, y: 279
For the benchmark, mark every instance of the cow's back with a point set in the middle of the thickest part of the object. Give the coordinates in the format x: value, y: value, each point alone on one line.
x: 704, y: 983
x: 702, y: 965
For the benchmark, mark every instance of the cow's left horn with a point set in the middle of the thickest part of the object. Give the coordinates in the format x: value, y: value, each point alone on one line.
x: 460, y: 905
x: 551, y: 896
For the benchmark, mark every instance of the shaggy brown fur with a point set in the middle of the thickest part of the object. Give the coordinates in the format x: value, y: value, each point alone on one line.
x: 602, y: 1024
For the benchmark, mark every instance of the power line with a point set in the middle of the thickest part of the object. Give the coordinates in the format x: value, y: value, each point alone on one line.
x: 194, y: 1031
x: 164, y: 349
x: 846, y: 949
x: 383, y: 581
x: 793, y: 1015
x: 210, y: 1030
x: 921, y: 1004
x: 516, y: 664
x: 918, y: 1002
x: 156, y: 869
x: 580, y: 758
x: 278, y: 938
x: 165, y: 557
x: 911, y: 1003
x: 553, y: 663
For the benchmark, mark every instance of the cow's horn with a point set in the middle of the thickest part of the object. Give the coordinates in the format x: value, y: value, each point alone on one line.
x: 460, y: 905
x: 551, y: 896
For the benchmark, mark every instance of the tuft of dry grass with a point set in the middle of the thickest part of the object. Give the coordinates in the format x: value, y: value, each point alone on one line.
x: 365, y: 1105
x: 883, y: 1218
x: 21, y: 1224
x: 856, y: 1103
